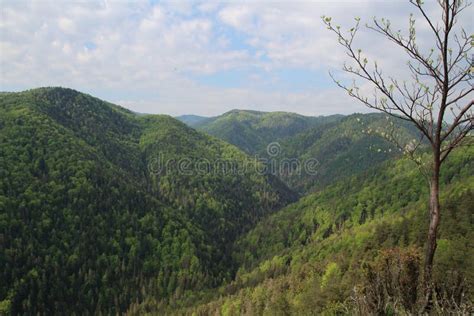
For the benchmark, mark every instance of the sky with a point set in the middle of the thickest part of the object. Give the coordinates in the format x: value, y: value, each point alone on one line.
x: 197, y: 57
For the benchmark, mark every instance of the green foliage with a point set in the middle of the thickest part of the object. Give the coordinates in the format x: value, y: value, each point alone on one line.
x: 331, y: 275
x: 343, y: 146
x: 359, y: 267
x: 89, y: 224
x: 85, y: 227
x: 252, y: 131
x: 191, y: 120
x: 348, y: 146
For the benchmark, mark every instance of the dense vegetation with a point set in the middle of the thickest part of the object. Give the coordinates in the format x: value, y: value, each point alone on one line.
x: 357, y: 255
x: 106, y: 211
x: 349, y: 146
x: 252, y: 131
x: 342, y: 146
x: 191, y: 120
x: 87, y: 221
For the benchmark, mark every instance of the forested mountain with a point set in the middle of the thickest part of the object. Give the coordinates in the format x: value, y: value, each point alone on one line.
x: 355, y: 248
x: 341, y: 145
x: 191, y: 120
x: 95, y: 211
x: 346, y: 147
x: 252, y: 131
x: 103, y: 211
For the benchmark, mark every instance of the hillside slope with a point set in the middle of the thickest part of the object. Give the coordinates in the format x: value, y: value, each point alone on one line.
x: 95, y: 211
x: 191, y: 120
x: 341, y: 146
x: 347, y: 147
x: 330, y: 255
x: 252, y: 131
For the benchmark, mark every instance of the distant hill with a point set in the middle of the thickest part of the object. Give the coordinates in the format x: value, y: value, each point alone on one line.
x: 95, y: 210
x: 342, y: 148
x: 192, y: 120
x: 341, y: 145
x: 252, y: 131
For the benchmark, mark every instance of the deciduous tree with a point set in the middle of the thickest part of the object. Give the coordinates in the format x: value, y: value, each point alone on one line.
x: 437, y: 99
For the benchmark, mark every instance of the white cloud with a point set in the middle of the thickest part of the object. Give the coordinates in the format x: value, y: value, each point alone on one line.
x: 66, y: 25
x: 146, y: 56
x: 153, y: 21
x: 172, y: 101
x: 239, y: 16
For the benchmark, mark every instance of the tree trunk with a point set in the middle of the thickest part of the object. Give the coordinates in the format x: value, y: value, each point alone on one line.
x: 432, y: 231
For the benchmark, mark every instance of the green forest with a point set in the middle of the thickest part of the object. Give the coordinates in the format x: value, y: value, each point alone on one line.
x: 236, y: 158
x: 98, y: 216
x: 341, y: 144
x: 86, y: 227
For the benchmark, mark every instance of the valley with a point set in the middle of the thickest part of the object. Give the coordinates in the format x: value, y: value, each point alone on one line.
x: 236, y: 158
x: 86, y: 211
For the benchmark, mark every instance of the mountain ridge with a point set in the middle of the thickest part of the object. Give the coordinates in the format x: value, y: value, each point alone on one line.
x: 106, y: 211
x: 78, y: 190
x: 342, y: 145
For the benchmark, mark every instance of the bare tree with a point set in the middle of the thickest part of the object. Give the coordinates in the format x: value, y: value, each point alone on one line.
x: 437, y: 99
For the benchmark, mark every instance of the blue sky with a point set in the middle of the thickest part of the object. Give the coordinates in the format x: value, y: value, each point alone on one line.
x: 193, y: 57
